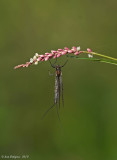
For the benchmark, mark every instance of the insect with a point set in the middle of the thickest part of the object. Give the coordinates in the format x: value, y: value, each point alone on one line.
x: 58, y: 87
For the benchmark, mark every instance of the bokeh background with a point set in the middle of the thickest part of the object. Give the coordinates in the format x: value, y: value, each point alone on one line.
x: 88, y: 129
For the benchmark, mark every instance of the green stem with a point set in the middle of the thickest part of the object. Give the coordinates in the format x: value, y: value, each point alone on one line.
x: 101, y: 55
x: 94, y: 59
x: 100, y: 60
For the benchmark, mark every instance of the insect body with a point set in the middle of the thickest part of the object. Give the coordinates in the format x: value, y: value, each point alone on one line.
x: 58, y: 88
x: 58, y: 85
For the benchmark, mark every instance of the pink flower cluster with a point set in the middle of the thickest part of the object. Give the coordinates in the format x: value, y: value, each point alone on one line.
x: 54, y: 54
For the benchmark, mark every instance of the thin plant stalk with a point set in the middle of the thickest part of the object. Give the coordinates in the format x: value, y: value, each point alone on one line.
x: 101, y: 55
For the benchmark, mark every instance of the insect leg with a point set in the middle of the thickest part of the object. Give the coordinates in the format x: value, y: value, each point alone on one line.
x: 48, y: 111
x: 53, y: 65
x: 57, y: 112
x: 50, y: 74
x: 59, y: 91
x: 57, y: 94
x: 65, y: 63
x: 61, y: 86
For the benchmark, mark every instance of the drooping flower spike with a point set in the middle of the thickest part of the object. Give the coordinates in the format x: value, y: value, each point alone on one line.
x: 73, y: 52
x: 53, y: 54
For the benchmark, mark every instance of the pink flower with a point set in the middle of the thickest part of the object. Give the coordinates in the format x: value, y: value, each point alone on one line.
x: 47, y: 53
x: 66, y: 48
x: 46, y: 58
x: 64, y: 52
x: 18, y: 66
x: 58, y: 55
x: 60, y: 49
x: 54, y: 54
x: 76, y: 53
x: 43, y: 59
x: 54, y: 57
x: 39, y: 59
x: 74, y: 49
x: 53, y: 51
x: 42, y: 55
x: 50, y: 55
x: 34, y: 60
x: 70, y: 51
x: 89, y: 50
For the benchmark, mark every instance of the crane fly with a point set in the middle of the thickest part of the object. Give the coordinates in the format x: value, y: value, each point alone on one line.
x: 58, y: 88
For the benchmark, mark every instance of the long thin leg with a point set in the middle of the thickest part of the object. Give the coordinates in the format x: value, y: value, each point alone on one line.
x: 59, y: 91
x: 58, y: 112
x: 61, y: 86
x: 53, y: 65
x: 48, y: 111
x: 55, y: 60
x: 56, y: 98
x: 50, y: 74
x: 65, y: 63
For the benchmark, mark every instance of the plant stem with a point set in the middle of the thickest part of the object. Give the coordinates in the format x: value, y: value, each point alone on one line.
x: 101, y: 55
x: 94, y: 59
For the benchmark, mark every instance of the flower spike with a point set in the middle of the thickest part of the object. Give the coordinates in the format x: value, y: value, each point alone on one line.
x: 73, y: 52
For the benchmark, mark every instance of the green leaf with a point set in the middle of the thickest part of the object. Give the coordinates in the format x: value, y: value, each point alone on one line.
x: 95, y: 59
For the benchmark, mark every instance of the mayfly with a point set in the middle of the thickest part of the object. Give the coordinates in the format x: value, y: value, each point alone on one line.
x: 58, y: 87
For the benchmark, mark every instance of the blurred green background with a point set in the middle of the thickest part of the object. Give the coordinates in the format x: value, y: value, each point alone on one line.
x: 89, y: 118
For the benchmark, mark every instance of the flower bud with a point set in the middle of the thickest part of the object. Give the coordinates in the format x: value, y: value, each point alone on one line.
x: 50, y: 55
x: 58, y: 55
x: 47, y: 53
x: 66, y: 48
x: 89, y: 50
x: 39, y: 59
x: 78, y: 48
x: 70, y: 51
x: 46, y: 58
x: 54, y: 57
x: 31, y: 60
x: 42, y: 56
x: 36, y: 54
x: 60, y: 49
x: 90, y: 55
x: 36, y: 63
x: 53, y: 51
x: 74, y: 49
x: 64, y: 52
x: 34, y: 57
x: 76, y: 53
